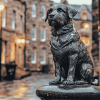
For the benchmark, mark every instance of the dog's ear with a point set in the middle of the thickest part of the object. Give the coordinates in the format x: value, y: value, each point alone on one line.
x: 72, y: 12
x: 47, y: 16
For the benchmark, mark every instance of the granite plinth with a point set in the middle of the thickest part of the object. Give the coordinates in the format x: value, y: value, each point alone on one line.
x: 71, y: 92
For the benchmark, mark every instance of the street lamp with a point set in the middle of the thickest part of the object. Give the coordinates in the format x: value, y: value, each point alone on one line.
x: 21, y: 41
x: 1, y: 9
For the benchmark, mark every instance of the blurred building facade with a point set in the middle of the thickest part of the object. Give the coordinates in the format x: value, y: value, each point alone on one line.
x: 37, y: 35
x: 13, y: 36
x: 26, y: 35
x: 83, y: 24
x: 96, y: 35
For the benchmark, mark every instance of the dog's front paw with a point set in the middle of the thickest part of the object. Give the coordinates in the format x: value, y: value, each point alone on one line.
x: 55, y: 82
x: 80, y: 82
x: 69, y: 81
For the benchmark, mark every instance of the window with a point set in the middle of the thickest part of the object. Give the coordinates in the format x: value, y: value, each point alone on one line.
x: 43, y: 35
x: 85, y: 40
x: 43, y: 11
x: 21, y: 24
x: 34, y: 10
x: 3, y: 52
x: 33, y: 61
x: 4, y: 18
x: 34, y: 34
x: 42, y: 58
x: 12, y: 58
x: 13, y: 20
x: 84, y: 16
x: 85, y: 27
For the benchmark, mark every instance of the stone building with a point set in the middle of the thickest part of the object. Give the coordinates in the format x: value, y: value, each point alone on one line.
x: 96, y: 35
x: 83, y: 24
x: 13, y: 36
x: 37, y: 35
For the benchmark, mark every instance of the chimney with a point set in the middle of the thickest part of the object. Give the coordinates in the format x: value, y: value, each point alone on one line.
x: 63, y: 1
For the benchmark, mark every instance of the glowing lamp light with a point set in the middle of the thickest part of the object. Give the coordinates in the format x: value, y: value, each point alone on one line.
x: 85, y: 40
x: 22, y: 40
x: 1, y: 7
x: 86, y: 26
x: 99, y: 27
x: 19, y: 41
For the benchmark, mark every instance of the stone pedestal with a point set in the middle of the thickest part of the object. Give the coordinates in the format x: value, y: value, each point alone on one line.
x: 71, y: 92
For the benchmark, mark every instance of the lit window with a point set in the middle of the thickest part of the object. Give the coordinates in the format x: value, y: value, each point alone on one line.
x: 42, y: 58
x: 3, y: 53
x: 12, y: 58
x: 21, y: 24
x: 43, y: 35
x: 34, y: 34
x: 4, y: 18
x: 33, y: 61
x: 85, y: 40
x: 34, y: 10
x: 13, y: 20
x: 43, y: 11
x: 85, y: 27
x: 84, y: 16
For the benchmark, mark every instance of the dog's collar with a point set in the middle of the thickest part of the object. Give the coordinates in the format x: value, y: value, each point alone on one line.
x: 68, y: 38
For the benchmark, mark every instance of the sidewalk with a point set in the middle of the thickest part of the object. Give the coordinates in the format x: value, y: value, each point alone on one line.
x: 24, y: 89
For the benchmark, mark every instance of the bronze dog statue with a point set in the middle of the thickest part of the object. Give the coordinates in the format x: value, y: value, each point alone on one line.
x: 73, y: 64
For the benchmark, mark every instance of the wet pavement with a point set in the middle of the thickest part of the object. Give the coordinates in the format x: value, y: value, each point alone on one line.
x: 24, y: 89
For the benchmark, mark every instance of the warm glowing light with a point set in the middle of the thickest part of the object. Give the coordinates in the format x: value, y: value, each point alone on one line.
x: 86, y: 25
x: 98, y: 27
x: 22, y: 89
x: 84, y: 16
x: 85, y: 40
x: 1, y: 6
x: 12, y: 57
x: 19, y: 41
x: 22, y: 40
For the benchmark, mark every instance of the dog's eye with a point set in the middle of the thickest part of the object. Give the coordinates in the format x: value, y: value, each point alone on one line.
x: 59, y: 10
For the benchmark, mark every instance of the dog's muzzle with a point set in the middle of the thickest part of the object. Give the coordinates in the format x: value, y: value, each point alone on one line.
x: 53, y: 23
x: 52, y: 20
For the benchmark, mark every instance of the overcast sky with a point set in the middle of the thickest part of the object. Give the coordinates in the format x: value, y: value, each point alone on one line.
x: 88, y: 2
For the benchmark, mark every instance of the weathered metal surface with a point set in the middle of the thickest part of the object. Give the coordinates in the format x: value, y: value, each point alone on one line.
x: 72, y: 61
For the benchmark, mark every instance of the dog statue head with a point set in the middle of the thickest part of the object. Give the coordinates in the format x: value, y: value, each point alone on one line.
x: 59, y: 15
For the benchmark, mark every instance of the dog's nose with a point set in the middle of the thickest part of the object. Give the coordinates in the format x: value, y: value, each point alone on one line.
x: 51, y: 16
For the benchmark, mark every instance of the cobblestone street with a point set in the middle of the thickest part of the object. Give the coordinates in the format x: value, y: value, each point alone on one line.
x: 24, y: 89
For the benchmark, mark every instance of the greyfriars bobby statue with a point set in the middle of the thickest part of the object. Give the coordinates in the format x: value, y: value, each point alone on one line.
x: 73, y: 64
